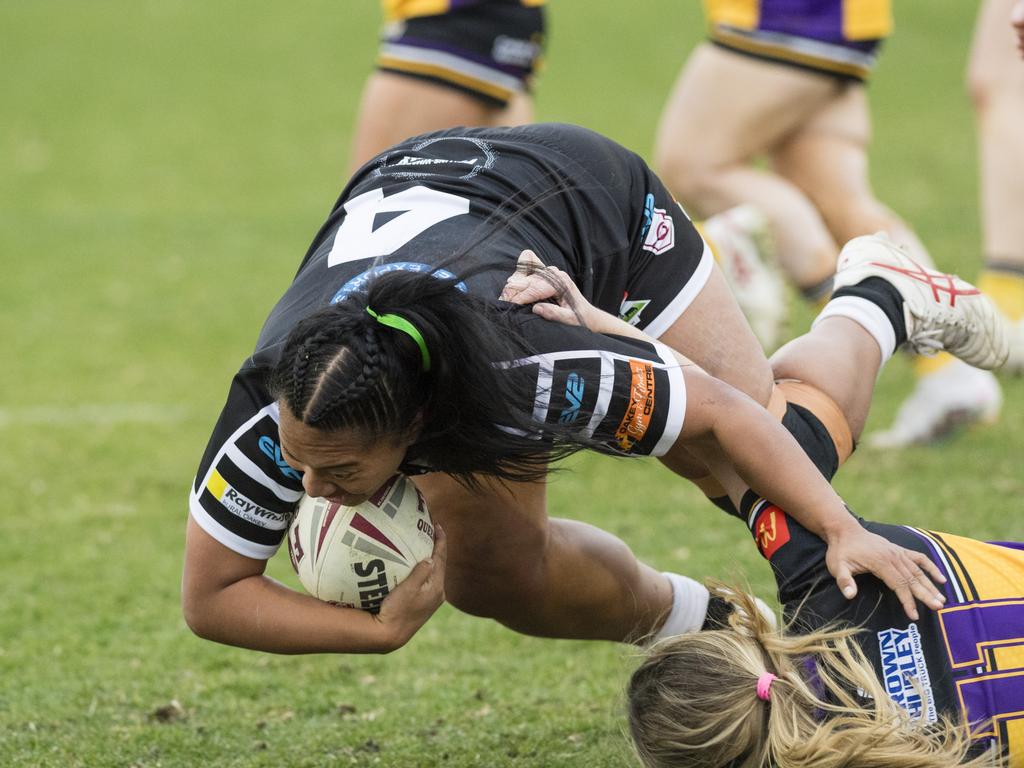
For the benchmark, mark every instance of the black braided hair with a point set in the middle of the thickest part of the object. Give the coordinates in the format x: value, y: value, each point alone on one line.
x: 341, y: 369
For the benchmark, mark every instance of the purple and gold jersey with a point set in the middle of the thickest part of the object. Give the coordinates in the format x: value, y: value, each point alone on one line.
x: 838, y: 37
x: 966, y: 659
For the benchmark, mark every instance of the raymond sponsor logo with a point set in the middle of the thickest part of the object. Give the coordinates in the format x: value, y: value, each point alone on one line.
x: 241, y: 504
x: 574, y: 386
x: 905, y: 673
x: 637, y: 419
x: 770, y: 530
x: 250, y: 510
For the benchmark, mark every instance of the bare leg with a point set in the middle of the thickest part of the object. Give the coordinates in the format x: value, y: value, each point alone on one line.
x: 726, y: 110
x: 827, y: 158
x: 839, y: 358
x: 996, y: 81
x: 395, y: 107
x: 507, y: 560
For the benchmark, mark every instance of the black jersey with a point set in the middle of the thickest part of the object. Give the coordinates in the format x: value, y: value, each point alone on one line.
x: 965, y: 660
x: 465, y: 203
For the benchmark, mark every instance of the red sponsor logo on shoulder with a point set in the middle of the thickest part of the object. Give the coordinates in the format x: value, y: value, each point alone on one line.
x: 770, y: 530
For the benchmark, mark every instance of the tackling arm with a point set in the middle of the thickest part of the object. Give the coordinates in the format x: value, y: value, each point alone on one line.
x: 227, y: 598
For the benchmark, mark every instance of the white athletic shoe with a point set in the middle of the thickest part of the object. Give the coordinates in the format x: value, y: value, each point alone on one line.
x: 941, y: 311
x: 952, y: 397
x: 742, y: 242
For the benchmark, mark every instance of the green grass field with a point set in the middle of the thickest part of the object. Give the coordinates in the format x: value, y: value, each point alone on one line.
x: 151, y: 152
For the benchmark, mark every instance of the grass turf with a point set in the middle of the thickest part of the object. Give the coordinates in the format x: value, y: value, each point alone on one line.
x: 162, y: 168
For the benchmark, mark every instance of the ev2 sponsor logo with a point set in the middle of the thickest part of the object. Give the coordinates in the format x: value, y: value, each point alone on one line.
x: 574, y: 386
x: 273, y: 450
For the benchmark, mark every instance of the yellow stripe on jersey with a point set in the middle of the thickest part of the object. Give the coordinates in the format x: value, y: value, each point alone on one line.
x: 997, y: 576
x: 867, y: 19
x: 963, y: 584
x: 996, y: 572
x: 744, y: 14
x: 395, y: 10
x: 217, y: 485
x: 443, y: 73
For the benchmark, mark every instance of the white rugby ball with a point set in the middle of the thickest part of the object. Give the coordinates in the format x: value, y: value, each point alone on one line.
x: 355, y: 556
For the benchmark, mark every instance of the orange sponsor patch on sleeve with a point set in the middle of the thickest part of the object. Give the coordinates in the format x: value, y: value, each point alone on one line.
x: 770, y: 530
x: 638, y: 414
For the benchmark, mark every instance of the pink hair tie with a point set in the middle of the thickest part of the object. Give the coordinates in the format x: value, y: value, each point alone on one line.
x: 764, y: 685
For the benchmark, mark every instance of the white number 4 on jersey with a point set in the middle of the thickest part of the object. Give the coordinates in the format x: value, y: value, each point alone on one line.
x: 417, y: 209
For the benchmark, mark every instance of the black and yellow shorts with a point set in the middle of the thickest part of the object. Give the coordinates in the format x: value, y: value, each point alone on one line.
x: 490, y: 50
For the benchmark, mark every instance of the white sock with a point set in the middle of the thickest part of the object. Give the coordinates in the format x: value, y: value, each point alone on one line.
x: 689, y: 607
x: 868, y: 316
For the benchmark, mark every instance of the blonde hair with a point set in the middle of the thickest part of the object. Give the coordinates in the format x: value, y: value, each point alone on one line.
x: 693, y: 703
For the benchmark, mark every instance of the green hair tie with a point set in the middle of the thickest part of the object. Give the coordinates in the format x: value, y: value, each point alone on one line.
x: 399, y: 323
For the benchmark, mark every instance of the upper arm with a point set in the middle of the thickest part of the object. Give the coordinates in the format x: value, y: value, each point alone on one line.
x: 210, y: 566
x: 244, y: 492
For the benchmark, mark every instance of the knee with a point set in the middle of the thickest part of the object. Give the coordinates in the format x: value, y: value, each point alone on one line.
x: 980, y: 87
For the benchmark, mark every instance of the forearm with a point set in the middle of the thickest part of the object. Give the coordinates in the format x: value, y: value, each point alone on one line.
x: 261, y: 614
x: 770, y: 461
x: 600, y: 321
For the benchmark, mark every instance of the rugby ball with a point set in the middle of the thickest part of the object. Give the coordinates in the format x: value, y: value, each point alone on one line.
x: 355, y: 556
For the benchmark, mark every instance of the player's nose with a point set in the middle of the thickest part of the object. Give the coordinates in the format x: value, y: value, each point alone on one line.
x: 314, y: 485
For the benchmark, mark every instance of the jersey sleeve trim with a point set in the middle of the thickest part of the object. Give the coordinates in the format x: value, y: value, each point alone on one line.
x: 685, y: 297
x: 677, y: 400
x: 237, y: 503
x: 230, y: 540
x: 245, y: 464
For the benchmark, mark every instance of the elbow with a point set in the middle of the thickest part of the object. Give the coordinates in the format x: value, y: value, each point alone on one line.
x: 193, y: 618
x: 197, y: 616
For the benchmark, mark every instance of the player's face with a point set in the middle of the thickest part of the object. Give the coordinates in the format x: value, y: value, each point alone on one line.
x: 341, y: 465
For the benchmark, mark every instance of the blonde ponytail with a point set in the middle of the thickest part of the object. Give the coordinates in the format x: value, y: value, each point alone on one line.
x: 693, y: 703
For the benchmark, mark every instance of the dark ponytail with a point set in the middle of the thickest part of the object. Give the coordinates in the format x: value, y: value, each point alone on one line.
x: 342, y: 369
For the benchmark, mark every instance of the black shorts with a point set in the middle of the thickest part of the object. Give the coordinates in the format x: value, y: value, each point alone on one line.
x: 490, y: 51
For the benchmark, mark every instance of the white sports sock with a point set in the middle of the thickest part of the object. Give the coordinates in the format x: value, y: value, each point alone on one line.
x: 868, y: 316
x: 689, y: 607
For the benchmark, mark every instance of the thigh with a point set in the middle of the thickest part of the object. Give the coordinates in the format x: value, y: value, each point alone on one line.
x: 993, y: 59
x: 496, y: 527
x: 827, y: 159
x: 394, y: 108
x: 726, y: 108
